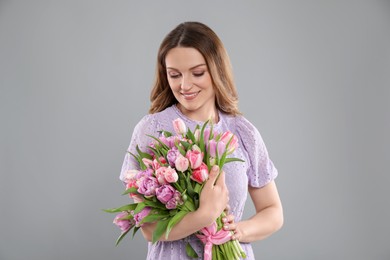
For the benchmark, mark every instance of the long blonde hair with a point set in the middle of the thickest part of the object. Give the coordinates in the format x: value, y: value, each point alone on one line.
x: 201, y: 37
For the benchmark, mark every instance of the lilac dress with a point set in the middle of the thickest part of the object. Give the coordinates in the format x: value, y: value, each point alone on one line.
x: 256, y: 171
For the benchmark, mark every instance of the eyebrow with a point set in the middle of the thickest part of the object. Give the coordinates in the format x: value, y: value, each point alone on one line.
x: 194, y: 67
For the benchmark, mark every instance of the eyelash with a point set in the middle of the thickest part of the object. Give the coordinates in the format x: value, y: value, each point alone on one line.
x: 175, y: 76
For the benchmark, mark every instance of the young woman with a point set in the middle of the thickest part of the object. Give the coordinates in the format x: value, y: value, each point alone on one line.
x: 194, y: 82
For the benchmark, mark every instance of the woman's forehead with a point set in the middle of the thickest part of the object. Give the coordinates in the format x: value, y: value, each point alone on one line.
x: 184, y: 58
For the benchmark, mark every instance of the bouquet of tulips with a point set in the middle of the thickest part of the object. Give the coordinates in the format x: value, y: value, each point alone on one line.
x: 168, y: 183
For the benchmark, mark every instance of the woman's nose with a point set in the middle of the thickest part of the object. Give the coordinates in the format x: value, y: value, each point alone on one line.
x: 185, y: 84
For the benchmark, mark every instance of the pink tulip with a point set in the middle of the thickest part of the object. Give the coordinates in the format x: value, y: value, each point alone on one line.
x: 179, y: 126
x: 148, y: 186
x: 165, y: 193
x: 130, y: 176
x: 195, y: 157
x: 147, y: 162
x: 170, y: 141
x: 139, y: 216
x: 215, y: 147
x: 166, y: 173
x: 233, y: 143
x: 196, y: 148
x: 172, y: 156
x: 207, y: 135
x: 160, y: 176
x: 123, y: 224
x: 197, y: 135
x: 200, y: 174
x: 181, y: 163
x: 136, y: 197
x: 176, y: 200
x: 171, y: 175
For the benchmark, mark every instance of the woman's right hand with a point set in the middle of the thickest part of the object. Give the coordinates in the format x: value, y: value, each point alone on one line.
x: 214, y: 196
x: 212, y: 202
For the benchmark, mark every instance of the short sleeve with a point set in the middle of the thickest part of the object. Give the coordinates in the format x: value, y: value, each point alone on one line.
x: 261, y: 169
x: 148, y: 125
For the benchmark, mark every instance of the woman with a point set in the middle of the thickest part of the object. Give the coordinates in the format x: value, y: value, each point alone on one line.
x: 194, y: 82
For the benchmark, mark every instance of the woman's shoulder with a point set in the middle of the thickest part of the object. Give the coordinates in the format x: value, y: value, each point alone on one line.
x: 156, y: 121
x: 240, y: 124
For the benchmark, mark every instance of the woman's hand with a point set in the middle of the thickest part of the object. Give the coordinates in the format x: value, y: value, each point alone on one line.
x: 213, y: 200
x: 267, y: 220
x: 214, y: 196
x: 230, y: 225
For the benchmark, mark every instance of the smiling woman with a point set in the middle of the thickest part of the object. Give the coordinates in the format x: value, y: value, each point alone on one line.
x: 203, y: 44
x: 194, y: 82
x: 191, y: 83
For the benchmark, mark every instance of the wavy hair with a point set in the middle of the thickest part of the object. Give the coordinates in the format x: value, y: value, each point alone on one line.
x: 201, y: 37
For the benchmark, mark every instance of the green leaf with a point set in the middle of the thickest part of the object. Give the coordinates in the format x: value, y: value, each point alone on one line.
x: 165, y: 133
x: 190, y: 135
x: 181, y: 150
x: 123, y: 208
x: 196, y: 202
x: 182, y: 181
x: 190, y: 189
x: 198, y: 188
x: 127, y: 217
x: 153, y: 218
x: 138, y: 158
x: 189, y: 205
x: 211, y: 136
x: 228, y: 160
x: 174, y: 220
x: 159, y: 153
x: 201, y: 139
x: 160, y: 229
x: 191, y: 252
x: 130, y: 190
x: 142, y: 154
x: 139, y: 207
x: 159, y: 141
x: 122, y: 236
x: 155, y: 204
x: 185, y: 144
x: 140, y: 162
x: 135, y: 230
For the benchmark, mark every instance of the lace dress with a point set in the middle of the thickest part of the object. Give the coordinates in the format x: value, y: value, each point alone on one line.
x: 256, y: 171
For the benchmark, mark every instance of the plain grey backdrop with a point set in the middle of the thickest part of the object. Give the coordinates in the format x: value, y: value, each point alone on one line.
x: 75, y: 77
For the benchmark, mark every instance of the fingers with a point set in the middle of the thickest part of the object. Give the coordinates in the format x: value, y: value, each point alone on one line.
x: 213, y: 176
x: 228, y: 219
x: 230, y: 225
x: 236, y: 235
x: 221, y: 179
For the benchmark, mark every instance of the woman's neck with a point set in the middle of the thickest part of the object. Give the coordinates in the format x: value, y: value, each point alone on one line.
x: 201, y: 115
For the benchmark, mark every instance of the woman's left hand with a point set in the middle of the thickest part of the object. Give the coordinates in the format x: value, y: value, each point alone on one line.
x: 230, y: 225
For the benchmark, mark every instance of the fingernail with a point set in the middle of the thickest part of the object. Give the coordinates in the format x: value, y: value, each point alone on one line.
x: 215, y: 167
x: 224, y: 219
x: 225, y: 227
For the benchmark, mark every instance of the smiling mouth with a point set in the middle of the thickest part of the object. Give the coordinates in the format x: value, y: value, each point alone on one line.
x: 189, y: 96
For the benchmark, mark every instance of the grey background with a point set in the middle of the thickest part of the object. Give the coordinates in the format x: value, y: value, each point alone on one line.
x: 75, y: 77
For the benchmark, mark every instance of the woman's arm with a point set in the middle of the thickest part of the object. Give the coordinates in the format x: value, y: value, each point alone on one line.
x: 213, y: 200
x: 267, y: 220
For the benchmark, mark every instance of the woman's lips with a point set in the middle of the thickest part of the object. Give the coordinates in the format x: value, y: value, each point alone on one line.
x: 190, y: 96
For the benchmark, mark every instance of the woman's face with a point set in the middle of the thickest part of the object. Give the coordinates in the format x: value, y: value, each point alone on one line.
x: 191, y: 83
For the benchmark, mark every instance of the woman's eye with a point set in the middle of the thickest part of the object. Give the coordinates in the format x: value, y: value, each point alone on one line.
x: 174, y: 76
x: 198, y: 74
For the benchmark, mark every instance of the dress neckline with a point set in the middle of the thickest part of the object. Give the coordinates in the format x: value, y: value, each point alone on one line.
x: 189, y: 120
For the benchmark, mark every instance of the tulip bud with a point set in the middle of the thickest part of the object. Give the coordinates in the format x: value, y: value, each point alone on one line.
x: 179, y: 126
